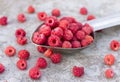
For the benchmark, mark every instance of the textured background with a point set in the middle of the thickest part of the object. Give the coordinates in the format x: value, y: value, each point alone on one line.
x: 91, y: 58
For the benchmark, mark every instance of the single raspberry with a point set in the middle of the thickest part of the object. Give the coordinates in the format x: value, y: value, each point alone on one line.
x: 55, y: 12
x: 54, y: 41
x: 114, y: 45
x: 41, y: 63
x: 21, y: 64
x: 80, y: 34
x: 84, y: 43
x: 34, y: 73
x: 10, y: 51
x: 41, y: 49
x: 48, y: 52
x: 56, y: 58
x: 69, y: 19
x: 74, y: 27
x: 90, y: 17
x: 78, y: 71
x: 21, y: 17
x: 68, y: 35
x: 31, y: 9
x: 109, y: 59
x: 2, y: 68
x: 3, y: 20
x: 20, y: 32
x: 23, y: 54
x: 76, y: 44
x: 89, y: 39
x: 74, y: 38
x: 109, y: 73
x: 42, y: 16
x: 57, y: 31
x: 46, y: 30
x: 83, y: 11
x: 66, y: 44
x: 22, y: 40
x: 63, y: 24
x: 87, y: 29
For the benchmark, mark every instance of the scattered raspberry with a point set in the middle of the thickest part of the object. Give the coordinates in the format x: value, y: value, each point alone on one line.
x: 20, y: 32
x: 23, y: 54
x: 68, y: 35
x: 10, y: 51
x: 42, y: 16
x: 48, y: 52
x: 89, y: 39
x: 87, y: 29
x: 56, y: 12
x: 83, y: 11
x: 76, y: 44
x: 22, y: 40
x: 78, y: 71
x: 109, y: 59
x: 31, y: 9
x: 66, y: 44
x: 2, y: 68
x: 63, y: 24
x: 57, y: 31
x: 34, y: 73
x: 69, y: 19
x: 56, y: 58
x: 41, y: 63
x: 90, y: 17
x: 114, y: 45
x: 21, y: 18
x: 80, y: 34
x: 3, y: 20
x: 84, y: 43
x: 74, y: 27
x: 109, y: 73
x: 41, y: 49
x: 22, y: 64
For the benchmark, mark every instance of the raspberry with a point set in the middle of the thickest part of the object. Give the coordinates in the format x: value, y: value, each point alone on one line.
x: 109, y: 73
x: 48, y: 52
x: 34, y: 73
x: 10, y: 51
x: 66, y: 44
x: 84, y: 43
x: 22, y: 40
x: 68, y: 35
x: 78, y: 71
x: 56, y: 58
x: 76, y: 44
x: 83, y: 11
x: 22, y: 64
x: 54, y: 41
x: 87, y: 29
x: 41, y: 63
x: 2, y: 68
x: 114, y: 45
x: 80, y: 34
x: 69, y: 19
x: 31, y: 9
x: 42, y: 16
x: 55, y: 12
x: 41, y: 49
x: 57, y: 31
x: 90, y: 17
x: 79, y: 25
x: 3, y: 20
x: 44, y: 29
x: 20, y: 32
x: 109, y: 59
x: 89, y: 39
x: 63, y: 24
x: 23, y: 54
x: 74, y: 38
x: 74, y: 27
x: 21, y: 18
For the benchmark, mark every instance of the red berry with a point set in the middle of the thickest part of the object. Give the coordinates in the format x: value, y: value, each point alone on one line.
x: 83, y: 11
x: 21, y: 18
x: 2, y: 68
x: 48, y: 52
x: 34, y: 73
x: 68, y: 35
x: 66, y: 44
x: 109, y: 59
x: 41, y: 63
x: 80, y: 34
x: 74, y: 27
x: 76, y: 44
x: 42, y: 16
x: 109, y: 73
x: 56, y: 58
x: 90, y: 17
x: 10, y: 51
x: 22, y: 40
x: 87, y: 29
x: 3, y: 20
x: 89, y: 39
x: 23, y: 54
x: 79, y: 25
x: 22, y: 64
x: 20, y: 32
x: 114, y: 45
x: 78, y: 71
x: 56, y: 12
x: 63, y: 24
x: 84, y: 43
x: 57, y: 31
x: 31, y: 9
x: 69, y: 19
x: 41, y: 49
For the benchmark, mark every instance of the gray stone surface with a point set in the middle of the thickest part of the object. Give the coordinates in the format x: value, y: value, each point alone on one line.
x: 91, y: 58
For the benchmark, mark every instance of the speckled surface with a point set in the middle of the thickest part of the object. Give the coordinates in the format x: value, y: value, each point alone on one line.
x: 91, y: 58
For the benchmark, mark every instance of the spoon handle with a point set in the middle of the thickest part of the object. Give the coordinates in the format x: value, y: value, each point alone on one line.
x: 105, y: 22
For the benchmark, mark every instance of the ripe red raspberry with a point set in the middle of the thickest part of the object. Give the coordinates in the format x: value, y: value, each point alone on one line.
x: 21, y: 17
x: 10, y: 51
x: 46, y: 30
x: 23, y: 54
x: 21, y: 64
x: 22, y: 40
x: 2, y: 68
x: 48, y: 52
x: 79, y: 25
x: 31, y: 9
x: 80, y: 34
x: 109, y: 73
x: 84, y: 43
x: 57, y: 31
x: 34, y: 73
x: 89, y: 39
x: 74, y: 27
x: 54, y: 41
x: 41, y: 49
x: 114, y: 45
x: 78, y: 71
x: 42, y: 16
x: 76, y: 44
x: 41, y: 63
x: 63, y: 24
x: 83, y: 11
x: 87, y: 29
x: 20, y: 32
x: 69, y: 19
x: 3, y: 20
x: 56, y: 58
x: 90, y: 17
x: 109, y: 59
x: 68, y: 35
x: 74, y: 38
x: 55, y: 12
x: 66, y: 44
